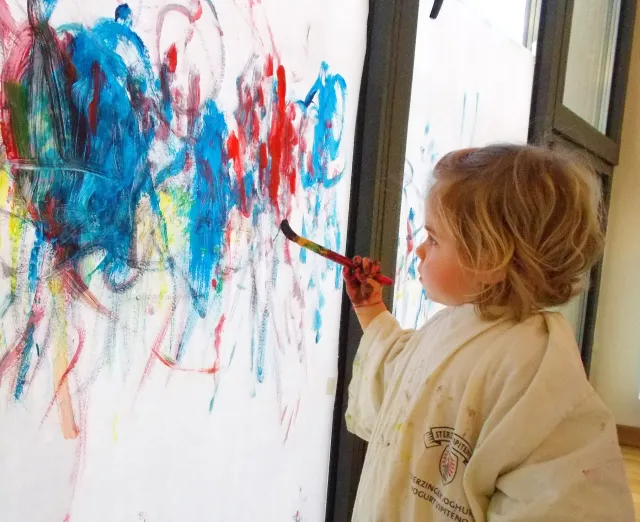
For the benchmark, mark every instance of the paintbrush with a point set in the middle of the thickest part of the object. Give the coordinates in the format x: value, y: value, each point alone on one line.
x: 325, y: 252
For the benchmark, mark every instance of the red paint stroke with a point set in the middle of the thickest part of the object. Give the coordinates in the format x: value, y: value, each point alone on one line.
x: 198, y: 14
x: 171, y: 363
x: 17, y: 57
x: 192, y: 15
x: 227, y: 234
x: 81, y: 451
x: 188, y: 161
x: 287, y: 252
x: 145, y: 373
x: 268, y: 68
x: 235, y: 154
x: 290, y: 142
x: 218, y: 340
x: 11, y: 356
x: 218, y: 332
x: 240, y: 146
x: 63, y: 378
x: 295, y: 415
x: 193, y: 101
x: 53, y: 228
x: 286, y: 435
x: 9, y: 140
x: 263, y: 162
x: 282, y: 142
x: 154, y: 349
x: 172, y: 58
x: 175, y: 8
x: 291, y: 419
x: 8, y: 26
x: 409, y: 237
x: 76, y: 288
x: 260, y: 96
x: 98, y: 81
x: 168, y: 361
x: 276, y: 158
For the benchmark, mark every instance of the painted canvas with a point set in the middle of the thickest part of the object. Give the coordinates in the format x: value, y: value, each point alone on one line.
x: 165, y: 354
x: 471, y: 86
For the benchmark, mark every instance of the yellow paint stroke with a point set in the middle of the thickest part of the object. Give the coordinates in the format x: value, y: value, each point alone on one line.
x: 163, y: 284
x: 60, y: 361
x: 15, y: 234
x: 169, y: 213
x: 16, y: 228
x: 175, y: 205
x: 144, y: 230
x: 4, y: 188
x: 15, y: 225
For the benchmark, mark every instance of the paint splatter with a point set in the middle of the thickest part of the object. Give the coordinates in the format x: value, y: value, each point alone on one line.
x: 125, y: 174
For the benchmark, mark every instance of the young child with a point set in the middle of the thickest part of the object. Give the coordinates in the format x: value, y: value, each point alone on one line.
x: 485, y: 413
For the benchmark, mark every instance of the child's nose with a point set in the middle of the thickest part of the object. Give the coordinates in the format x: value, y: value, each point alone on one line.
x: 420, y: 251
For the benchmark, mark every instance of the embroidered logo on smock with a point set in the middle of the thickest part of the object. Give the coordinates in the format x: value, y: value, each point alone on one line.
x: 456, y: 447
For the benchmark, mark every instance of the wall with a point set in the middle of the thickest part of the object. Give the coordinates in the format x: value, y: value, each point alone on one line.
x: 615, y: 370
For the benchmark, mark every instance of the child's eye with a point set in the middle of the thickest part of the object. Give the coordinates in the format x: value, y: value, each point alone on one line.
x: 431, y: 240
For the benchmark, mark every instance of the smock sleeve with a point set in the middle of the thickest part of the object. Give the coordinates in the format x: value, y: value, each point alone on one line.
x: 373, y: 370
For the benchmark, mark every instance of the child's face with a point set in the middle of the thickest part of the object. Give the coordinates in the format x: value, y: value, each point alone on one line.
x: 444, y: 279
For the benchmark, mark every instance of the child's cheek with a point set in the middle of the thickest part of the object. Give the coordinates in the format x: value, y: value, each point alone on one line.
x: 429, y: 278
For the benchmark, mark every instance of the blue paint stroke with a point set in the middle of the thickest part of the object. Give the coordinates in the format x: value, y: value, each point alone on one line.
x: 94, y: 109
x: 25, y: 359
x: 329, y: 89
x: 212, y: 201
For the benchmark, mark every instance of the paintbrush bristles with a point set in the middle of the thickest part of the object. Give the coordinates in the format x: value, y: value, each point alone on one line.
x: 288, y: 231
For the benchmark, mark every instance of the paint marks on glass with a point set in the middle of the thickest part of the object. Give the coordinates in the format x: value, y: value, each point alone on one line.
x: 129, y: 190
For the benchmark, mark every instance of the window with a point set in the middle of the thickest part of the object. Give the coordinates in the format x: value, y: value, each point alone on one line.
x: 592, y: 45
x: 471, y: 86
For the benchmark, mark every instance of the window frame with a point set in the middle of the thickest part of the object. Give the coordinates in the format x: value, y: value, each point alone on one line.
x: 549, y: 115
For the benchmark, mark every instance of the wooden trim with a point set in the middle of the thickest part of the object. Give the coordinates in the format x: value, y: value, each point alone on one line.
x: 629, y: 436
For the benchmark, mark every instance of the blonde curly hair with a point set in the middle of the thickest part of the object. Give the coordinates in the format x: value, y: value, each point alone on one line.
x: 533, y: 214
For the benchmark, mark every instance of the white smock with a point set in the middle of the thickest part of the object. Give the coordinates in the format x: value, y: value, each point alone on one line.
x: 471, y: 420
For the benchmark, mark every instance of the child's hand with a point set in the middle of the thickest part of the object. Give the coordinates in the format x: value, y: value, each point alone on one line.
x: 362, y: 289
